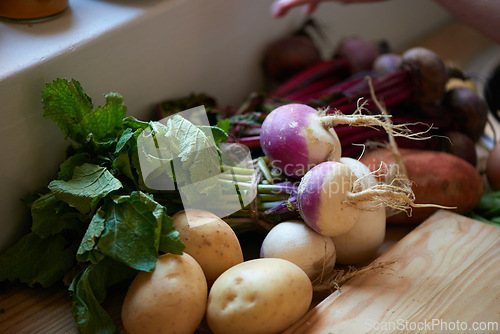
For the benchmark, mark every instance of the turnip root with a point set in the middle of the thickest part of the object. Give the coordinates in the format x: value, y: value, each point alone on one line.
x: 362, y: 242
x: 293, y: 137
x: 298, y: 243
x: 331, y: 198
x: 296, y: 137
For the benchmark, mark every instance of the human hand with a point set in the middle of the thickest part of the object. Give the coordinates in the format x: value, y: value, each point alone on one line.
x: 280, y: 7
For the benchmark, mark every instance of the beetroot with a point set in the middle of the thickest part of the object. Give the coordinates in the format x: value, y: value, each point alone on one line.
x: 359, y: 52
x: 386, y: 64
x: 469, y: 111
x: 430, y: 74
x: 288, y: 56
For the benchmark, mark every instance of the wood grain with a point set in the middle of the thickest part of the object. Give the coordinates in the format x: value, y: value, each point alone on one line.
x: 447, y: 269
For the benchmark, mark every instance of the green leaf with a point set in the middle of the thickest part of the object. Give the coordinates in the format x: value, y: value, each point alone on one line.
x: 195, y: 155
x: 224, y: 124
x: 122, y: 165
x: 67, y: 167
x: 173, y: 106
x: 51, y: 216
x: 218, y: 135
x: 37, y: 260
x: 88, y: 292
x: 130, y: 229
x: 87, y: 250
x: 105, y: 123
x: 66, y: 103
x: 167, y: 237
x: 127, y: 135
x: 135, y: 124
x: 129, y: 234
x: 88, y: 184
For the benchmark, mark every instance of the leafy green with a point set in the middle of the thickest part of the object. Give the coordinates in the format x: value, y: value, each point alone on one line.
x: 488, y: 208
x: 194, y: 154
x: 68, y: 166
x: 218, y: 134
x: 37, y: 260
x: 88, y: 184
x: 224, y: 124
x: 51, y: 216
x: 67, y: 104
x: 97, y: 224
x: 89, y: 290
x: 173, y: 106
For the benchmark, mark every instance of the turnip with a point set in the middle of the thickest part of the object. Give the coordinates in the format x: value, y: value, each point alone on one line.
x: 293, y: 137
x: 362, y: 242
x: 296, y: 137
x: 296, y: 242
x: 331, y: 198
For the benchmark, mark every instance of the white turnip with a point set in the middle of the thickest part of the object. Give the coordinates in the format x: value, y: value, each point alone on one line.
x: 296, y: 137
x: 296, y: 242
x: 362, y: 242
x: 331, y: 198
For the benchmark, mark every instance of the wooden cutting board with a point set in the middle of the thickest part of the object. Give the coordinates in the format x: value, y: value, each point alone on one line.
x: 447, y: 270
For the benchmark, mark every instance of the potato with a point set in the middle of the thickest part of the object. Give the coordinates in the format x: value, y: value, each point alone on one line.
x: 265, y: 295
x: 171, y: 299
x: 209, y: 240
x: 438, y: 178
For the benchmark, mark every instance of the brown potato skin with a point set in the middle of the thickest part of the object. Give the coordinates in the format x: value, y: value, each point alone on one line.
x: 437, y: 177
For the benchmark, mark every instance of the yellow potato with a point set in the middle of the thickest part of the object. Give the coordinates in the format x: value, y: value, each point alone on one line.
x: 210, y: 240
x: 171, y: 299
x: 265, y: 295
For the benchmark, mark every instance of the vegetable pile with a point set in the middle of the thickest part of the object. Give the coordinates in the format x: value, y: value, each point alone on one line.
x: 340, y: 147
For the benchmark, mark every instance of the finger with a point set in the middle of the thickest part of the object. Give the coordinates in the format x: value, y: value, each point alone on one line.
x: 311, y: 8
x: 281, y: 7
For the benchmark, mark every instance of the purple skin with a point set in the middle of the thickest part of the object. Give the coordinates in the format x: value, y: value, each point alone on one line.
x: 294, y: 139
x: 290, y: 152
x: 323, y: 199
x: 309, y: 194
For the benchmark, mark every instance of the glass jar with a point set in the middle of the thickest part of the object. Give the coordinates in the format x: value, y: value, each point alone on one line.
x: 29, y: 11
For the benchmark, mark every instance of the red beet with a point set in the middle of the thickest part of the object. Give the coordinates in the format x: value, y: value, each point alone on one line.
x: 288, y: 56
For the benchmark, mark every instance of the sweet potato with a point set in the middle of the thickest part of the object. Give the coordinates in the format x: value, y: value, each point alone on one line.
x: 437, y: 177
